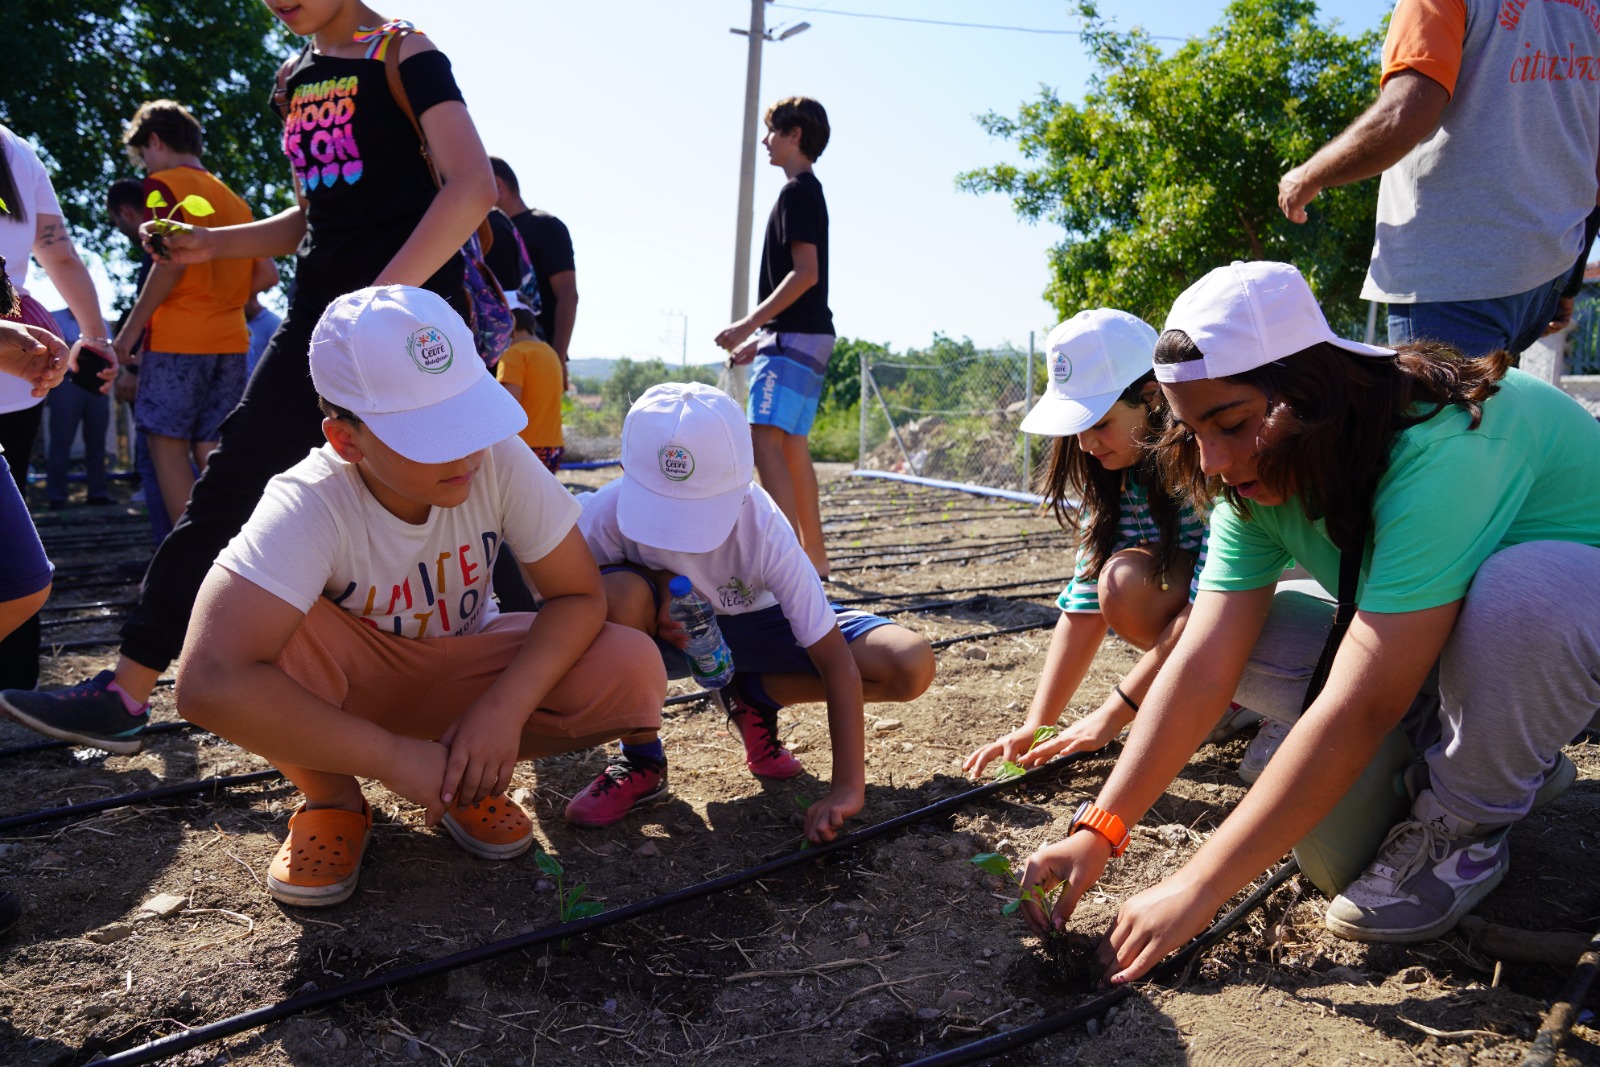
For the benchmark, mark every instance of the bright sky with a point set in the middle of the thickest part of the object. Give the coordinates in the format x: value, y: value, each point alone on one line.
x: 625, y: 120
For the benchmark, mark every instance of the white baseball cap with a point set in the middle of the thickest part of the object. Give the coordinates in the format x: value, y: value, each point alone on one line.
x: 1246, y: 315
x: 687, y: 462
x: 1091, y: 359
x: 402, y: 361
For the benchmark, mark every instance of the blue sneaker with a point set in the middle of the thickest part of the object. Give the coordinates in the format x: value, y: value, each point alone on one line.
x: 87, y: 714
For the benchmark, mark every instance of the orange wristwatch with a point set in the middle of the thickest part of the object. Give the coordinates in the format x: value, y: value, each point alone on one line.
x: 1103, y: 823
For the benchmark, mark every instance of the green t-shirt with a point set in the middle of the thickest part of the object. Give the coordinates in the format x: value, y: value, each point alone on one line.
x: 1450, y: 498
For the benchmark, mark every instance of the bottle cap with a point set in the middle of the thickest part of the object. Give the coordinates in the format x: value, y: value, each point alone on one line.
x: 680, y: 586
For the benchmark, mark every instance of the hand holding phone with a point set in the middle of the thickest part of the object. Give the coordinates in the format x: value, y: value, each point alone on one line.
x: 90, y: 364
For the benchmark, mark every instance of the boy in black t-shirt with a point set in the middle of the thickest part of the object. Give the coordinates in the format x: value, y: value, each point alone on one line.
x: 795, y: 337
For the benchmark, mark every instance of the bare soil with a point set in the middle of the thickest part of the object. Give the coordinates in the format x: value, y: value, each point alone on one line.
x: 881, y: 954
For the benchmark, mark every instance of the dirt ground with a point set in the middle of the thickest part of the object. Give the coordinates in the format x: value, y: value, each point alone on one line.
x: 882, y: 954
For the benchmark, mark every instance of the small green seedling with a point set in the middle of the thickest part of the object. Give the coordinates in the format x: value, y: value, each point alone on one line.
x: 999, y: 865
x: 569, y: 902
x: 193, y: 204
x: 1011, y: 769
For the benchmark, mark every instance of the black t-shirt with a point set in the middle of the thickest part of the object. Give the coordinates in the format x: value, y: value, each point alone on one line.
x: 550, y: 249
x: 365, y: 183
x: 799, y: 215
x: 502, y: 259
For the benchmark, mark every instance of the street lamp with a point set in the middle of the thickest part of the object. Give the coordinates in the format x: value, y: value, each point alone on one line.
x: 757, y: 34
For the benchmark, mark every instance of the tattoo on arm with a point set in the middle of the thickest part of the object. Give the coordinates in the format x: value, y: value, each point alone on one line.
x: 51, y: 233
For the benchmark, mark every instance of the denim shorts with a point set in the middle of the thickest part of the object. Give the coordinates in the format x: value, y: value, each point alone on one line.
x: 187, y: 396
x: 786, y: 380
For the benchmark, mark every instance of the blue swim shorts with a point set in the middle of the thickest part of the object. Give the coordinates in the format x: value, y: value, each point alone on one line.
x: 786, y: 380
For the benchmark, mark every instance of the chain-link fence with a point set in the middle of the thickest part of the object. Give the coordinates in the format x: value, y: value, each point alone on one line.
x: 951, y: 416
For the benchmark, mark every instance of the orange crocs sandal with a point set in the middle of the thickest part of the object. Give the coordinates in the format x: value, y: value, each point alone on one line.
x: 492, y: 829
x: 321, y: 858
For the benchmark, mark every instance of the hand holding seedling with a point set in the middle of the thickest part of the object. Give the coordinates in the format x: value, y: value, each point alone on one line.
x: 825, y: 818
x: 416, y: 769
x: 172, y: 241
x: 998, y: 864
x: 1008, y: 748
x: 1075, y: 863
x: 1091, y: 733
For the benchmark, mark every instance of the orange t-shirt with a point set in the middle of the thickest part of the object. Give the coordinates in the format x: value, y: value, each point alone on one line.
x: 204, y: 313
x: 536, y: 369
x: 1426, y: 36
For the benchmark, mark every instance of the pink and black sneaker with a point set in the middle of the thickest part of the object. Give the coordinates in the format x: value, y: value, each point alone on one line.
x: 764, y: 754
x: 628, y: 782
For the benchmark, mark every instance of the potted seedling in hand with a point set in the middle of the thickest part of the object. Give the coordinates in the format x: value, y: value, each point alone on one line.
x: 192, y: 205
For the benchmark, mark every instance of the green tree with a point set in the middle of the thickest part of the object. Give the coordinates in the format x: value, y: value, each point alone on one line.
x: 629, y: 379
x: 76, y: 72
x: 1170, y: 166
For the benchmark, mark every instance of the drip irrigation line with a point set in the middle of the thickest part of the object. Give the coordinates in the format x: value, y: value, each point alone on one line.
x: 86, y: 643
x: 962, y: 559
x: 959, y: 487
x: 128, y: 603
x: 942, y: 544
x: 1564, y: 1010
x: 874, y: 598
x: 1024, y: 628
x: 122, y: 800
x: 188, y: 1039
x: 998, y: 1044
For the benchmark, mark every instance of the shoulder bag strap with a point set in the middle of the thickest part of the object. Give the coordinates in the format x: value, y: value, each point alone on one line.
x: 280, y: 87
x: 1349, y: 574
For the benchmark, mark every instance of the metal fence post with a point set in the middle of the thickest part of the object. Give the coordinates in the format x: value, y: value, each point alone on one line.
x: 1027, y: 438
x: 861, y: 448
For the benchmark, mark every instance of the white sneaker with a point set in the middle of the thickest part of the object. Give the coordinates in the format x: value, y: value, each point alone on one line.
x: 1262, y: 749
x: 1236, y: 718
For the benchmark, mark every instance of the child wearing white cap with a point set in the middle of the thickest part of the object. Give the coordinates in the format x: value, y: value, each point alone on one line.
x: 349, y: 630
x: 686, y: 505
x: 1452, y: 502
x: 1139, y: 547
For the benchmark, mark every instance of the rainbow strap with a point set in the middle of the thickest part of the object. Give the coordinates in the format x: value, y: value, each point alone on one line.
x: 377, y: 38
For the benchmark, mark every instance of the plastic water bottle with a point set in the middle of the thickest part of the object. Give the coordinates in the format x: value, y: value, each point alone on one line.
x: 709, y: 659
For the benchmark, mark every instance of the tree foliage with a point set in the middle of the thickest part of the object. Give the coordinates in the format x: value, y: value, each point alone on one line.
x: 1170, y: 166
x: 75, y: 73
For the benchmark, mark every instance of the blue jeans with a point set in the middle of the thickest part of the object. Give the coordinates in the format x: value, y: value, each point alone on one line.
x: 68, y: 407
x: 1478, y: 327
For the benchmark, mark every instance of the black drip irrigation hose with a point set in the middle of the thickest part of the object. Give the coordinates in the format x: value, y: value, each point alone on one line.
x: 176, y: 1043
x: 122, y: 800
x: 1564, y: 1011
x: 873, y: 598
x: 998, y: 1044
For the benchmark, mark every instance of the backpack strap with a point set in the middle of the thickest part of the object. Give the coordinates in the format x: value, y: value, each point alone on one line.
x: 280, y: 86
x: 1349, y: 574
x: 389, y: 48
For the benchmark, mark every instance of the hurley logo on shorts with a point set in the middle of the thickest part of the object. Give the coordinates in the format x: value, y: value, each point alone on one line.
x: 430, y: 350
x: 677, y: 463
x: 1061, y: 370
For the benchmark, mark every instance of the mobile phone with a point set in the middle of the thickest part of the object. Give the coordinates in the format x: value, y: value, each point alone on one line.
x: 90, y: 364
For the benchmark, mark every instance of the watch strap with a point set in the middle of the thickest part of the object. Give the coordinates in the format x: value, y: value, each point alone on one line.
x: 1090, y: 817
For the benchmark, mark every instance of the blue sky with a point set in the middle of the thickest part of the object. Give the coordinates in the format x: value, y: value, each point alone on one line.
x: 625, y: 119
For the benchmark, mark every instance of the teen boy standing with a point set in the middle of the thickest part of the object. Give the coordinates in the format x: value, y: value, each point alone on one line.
x: 796, y: 328
x: 374, y: 648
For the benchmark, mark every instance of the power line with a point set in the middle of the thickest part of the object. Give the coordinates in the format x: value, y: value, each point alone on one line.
x: 959, y: 25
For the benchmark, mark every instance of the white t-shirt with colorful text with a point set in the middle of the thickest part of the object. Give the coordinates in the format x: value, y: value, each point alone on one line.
x: 319, y: 532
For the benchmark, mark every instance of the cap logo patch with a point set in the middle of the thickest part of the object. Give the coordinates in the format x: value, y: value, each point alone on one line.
x: 1061, y: 368
x: 430, y: 350
x: 677, y: 463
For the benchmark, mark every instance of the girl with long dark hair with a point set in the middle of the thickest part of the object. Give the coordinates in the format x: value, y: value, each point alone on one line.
x: 1138, y: 545
x: 1459, y: 501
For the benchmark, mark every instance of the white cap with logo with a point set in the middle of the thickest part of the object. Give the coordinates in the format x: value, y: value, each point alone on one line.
x: 1246, y: 315
x: 402, y: 361
x: 687, y: 462
x: 1091, y: 358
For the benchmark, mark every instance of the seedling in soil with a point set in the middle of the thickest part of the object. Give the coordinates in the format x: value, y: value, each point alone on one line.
x: 569, y: 902
x: 999, y: 865
x: 1011, y: 769
x: 193, y: 204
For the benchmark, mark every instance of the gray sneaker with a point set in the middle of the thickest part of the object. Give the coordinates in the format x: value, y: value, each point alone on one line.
x: 1430, y: 871
x: 86, y: 714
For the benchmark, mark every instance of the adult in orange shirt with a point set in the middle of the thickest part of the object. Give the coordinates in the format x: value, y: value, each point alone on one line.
x: 193, y: 367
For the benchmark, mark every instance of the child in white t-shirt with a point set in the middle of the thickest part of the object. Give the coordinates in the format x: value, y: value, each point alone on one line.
x: 349, y: 631
x: 686, y: 505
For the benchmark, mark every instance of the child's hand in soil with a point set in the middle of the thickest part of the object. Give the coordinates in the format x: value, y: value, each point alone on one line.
x: 826, y: 816
x: 1089, y: 734
x: 1075, y: 862
x: 177, y: 242
x: 1154, y: 923
x: 417, y: 771
x: 1006, y: 747
x: 483, y: 744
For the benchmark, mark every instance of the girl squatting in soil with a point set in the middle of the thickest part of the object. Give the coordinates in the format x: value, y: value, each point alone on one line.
x: 1465, y: 494
x: 1139, y: 546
